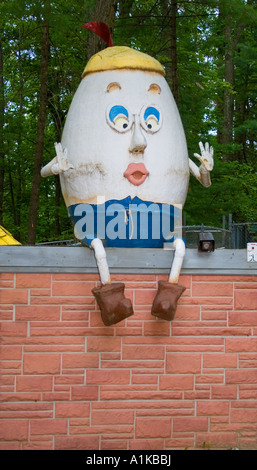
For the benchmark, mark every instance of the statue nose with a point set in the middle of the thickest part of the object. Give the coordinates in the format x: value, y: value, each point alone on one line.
x: 138, y: 142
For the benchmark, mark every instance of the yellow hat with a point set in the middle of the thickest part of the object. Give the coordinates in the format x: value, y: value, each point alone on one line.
x: 122, y: 57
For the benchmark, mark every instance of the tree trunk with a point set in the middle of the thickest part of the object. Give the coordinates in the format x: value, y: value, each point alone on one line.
x: 55, y: 108
x: 169, y: 13
x: 19, y: 153
x: 228, y: 92
x: 104, y: 11
x: 174, y: 59
x: 226, y: 135
x: 2, y: 154
x: 34, y: 200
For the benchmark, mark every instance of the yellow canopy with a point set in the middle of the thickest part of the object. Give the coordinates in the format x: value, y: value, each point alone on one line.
x: 6, y: 238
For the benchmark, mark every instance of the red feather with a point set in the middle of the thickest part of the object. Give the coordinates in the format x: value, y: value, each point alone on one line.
x: 101, y: 29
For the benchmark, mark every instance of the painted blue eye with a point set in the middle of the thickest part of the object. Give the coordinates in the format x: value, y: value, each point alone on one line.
x: 151, y: 119
x: 119, y: 118
x: 151, y: 111
x: 116, y: 111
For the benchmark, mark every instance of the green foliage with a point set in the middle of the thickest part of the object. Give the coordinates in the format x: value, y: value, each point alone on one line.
x: 206, y: 445
x: 145, y: 25
x: 21, y: 37
x: 233, y: 190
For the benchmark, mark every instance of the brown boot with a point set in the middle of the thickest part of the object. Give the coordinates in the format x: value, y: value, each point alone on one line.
x: 112, y: 303
x: 165, y: 302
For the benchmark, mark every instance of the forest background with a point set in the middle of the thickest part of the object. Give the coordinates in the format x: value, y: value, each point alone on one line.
x: 209, y: 51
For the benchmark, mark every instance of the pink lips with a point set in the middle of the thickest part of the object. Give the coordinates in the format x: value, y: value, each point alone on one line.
x: 136, y: 173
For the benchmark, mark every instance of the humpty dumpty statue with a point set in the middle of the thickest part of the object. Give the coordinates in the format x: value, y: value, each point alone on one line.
x: 123, y: 149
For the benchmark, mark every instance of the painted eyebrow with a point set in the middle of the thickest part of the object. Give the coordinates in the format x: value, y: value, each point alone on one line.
x: 151, y: 111
x: 115, y: 110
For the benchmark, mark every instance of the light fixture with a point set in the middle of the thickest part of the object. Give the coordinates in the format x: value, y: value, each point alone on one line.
x: 206, y: 242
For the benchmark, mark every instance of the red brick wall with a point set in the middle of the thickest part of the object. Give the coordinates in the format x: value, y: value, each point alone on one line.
x: 69, y: 382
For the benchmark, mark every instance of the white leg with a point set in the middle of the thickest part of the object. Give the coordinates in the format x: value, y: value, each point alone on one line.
x: 177, y: 261
x: 100, y: 255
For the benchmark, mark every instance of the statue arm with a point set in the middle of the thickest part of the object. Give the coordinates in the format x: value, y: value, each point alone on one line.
x: 202, y: 173
x: 58, y: 164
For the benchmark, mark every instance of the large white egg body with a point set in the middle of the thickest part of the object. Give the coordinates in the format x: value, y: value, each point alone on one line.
x: 101, y: 154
